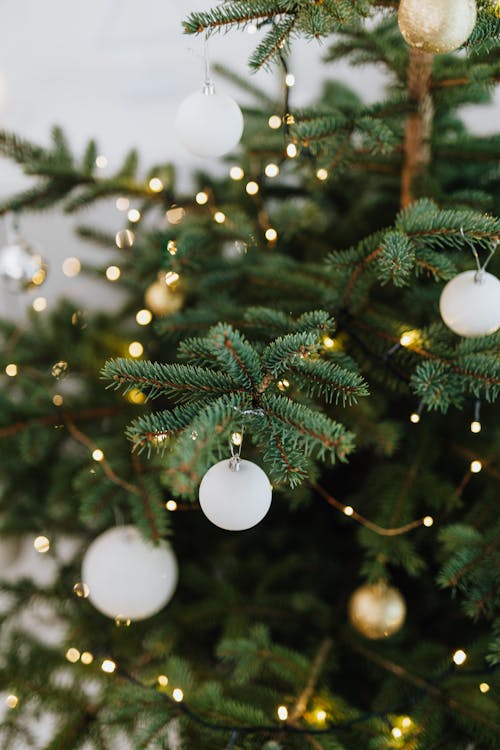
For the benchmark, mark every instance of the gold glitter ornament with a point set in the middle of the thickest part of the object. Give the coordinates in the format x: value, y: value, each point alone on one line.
x: 437, y: 25
x: 162, y: 299
x: 377, y: 610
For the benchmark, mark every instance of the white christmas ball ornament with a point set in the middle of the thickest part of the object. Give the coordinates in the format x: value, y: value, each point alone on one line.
x: 235, y: 498
x: 470, y: 304
x: 209, y: 124
x: 21, y: 265
x: 437, y: 25
x: 128, y: 577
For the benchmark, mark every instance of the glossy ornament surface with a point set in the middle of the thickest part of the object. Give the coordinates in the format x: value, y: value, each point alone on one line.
x: 437, y: 25
x: 209, y: 124
x: 470, y: 304
x: 235, y: 500
x: 377, y: 611
x: 128, y: 577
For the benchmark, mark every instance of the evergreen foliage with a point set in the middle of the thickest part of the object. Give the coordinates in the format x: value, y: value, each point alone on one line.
x: 316, y: 346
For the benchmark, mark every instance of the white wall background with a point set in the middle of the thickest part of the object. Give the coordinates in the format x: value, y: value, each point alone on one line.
x: 117, y: 70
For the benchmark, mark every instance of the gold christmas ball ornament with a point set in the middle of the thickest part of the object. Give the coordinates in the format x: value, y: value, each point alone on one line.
x: 377, y: 611
x: 437, y: 25
x: 162, y: 299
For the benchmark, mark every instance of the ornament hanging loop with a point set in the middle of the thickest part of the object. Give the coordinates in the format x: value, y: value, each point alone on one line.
x: 235, y: 446
x: 11, y: 227
x: 479, y: 277
x: 208, y: 86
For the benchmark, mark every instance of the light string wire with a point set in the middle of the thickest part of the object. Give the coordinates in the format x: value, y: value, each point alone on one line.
x: 430, y: 686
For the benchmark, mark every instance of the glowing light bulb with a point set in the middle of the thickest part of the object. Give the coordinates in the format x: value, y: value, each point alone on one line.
x: 122, y: 204
x: 236, y: 173
x: 171, y: 278
x: 101, y: 162
x: 290, y: 79
x: 484, y: 687
x: 201, y: 198
x: 175, y: 215
x: 135, y: 349
x: 428, y: 521
x: 328, y: 342
x: 57, y: 399
x: 124, y: 238
x: 155, y: 185
x: 320, y: 715
x: 178, y: 695
x: 41, y: 544
x: 476, y: 467
x: 475, y: 426
x: 322, y: 174
x: 236, y: 438
x: 113, y: 273
x: 71, y: 267
x: 415, y: 418
x: 291, y: 151
x: 11, y: 370
x: 272, y: 170
x: 87, y: 658
x: 219, y: 217
x: 97, y: 454
x: 271, y: 235
x: 172, y: 247
x: 11, y: 701
x: 283, y: 385
x: 73, y: 655
x: 134, y: 215
x: 108, y: 666
x: 144, y: 317
x: 408, y: 338
x: 252, y: 188
x: 162, y: 680
x: 397, y: 733
x: 81, y: 590
x: 171, y: 505
x: 406, y: 722
x: 39, y: 304
x: 459, y: 657
x: 282, y: 712
x: 348, y: 510
x: 274, y: 122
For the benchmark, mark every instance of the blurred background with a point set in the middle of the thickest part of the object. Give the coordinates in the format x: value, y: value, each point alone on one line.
x: 116, y: 70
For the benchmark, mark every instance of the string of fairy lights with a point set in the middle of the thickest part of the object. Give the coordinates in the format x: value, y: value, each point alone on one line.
x: 320, y: 722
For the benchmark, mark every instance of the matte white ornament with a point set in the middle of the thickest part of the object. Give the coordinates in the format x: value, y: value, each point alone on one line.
x: 20, y: 264
x: 470, y: 304
x: 209, y: 124
x: 437, y: 25
x: 235, y: 498
x: 128, y: 577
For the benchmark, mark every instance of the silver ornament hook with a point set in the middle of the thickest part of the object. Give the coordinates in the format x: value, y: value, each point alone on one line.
x: 479, y: 276
x: 235, y: 447
x: 208, y: 86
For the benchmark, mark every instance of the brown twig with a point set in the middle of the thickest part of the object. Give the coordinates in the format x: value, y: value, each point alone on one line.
x: 57, y: 418
x: 380, y: 530
x: 305, y: 696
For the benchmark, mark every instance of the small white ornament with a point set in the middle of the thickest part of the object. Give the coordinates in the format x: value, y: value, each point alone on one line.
x: 470, y: 304
x: 235, y: 494
x: 437, y: 25
x: 128, y: 577
x: 209, y: 124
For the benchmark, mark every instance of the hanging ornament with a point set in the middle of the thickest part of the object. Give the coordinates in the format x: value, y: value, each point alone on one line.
x: 470, y: 303
x: 20, y: 265
x: 235, y: 494
x: 128, y: 577
x: 162, y: 299
x: 437, y: 25
x: 209, y: 124
x: 377, y: 610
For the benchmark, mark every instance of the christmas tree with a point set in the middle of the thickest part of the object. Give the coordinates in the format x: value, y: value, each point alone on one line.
x: 318, y: 326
